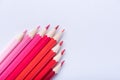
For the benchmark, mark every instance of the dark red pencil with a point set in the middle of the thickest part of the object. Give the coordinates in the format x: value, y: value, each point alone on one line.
x: 49, y: 66
x: 53, y: 71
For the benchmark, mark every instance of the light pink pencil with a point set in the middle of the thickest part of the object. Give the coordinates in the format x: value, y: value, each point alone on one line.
x: 13, y: 44
x: 16, y: 51
x: 24, y: 53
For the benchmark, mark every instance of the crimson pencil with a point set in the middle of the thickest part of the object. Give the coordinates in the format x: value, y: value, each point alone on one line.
x: 11, y: 46
x: 49, y: 66
x: 33, y: 53
x: 44, y: 61
x: 15, y: 53
x: 53, y: 71
x: 24, y: 53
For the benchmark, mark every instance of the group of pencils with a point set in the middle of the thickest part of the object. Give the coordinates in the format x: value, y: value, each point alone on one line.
x: 33, y: 55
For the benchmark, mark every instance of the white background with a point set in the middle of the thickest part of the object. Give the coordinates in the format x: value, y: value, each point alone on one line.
x: 92, y: 36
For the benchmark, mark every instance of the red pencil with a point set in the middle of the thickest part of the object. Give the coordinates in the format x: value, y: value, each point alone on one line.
x: 23, y: 69
x: 24, y: 53
x: 49, y: 66
x: 53, y: 71
x: 44, y: 61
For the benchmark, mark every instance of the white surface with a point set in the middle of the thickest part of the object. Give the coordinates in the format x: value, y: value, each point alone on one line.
x: 91, y: 37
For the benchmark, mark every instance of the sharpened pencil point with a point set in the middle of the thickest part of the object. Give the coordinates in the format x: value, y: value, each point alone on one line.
x: 38, y: 27
x: 63, y: 51
x: 25, y: 31
x: 62, y: 63
x: 63, y: 30
x: 56, y: 27
x: 61, y: 43
x: 47, y: 26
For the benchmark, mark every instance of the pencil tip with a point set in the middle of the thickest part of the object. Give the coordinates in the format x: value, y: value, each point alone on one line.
x: 63, y: 51
x: 47, y: 26
x: 56, y: 27
x: 62, y: 63
x: 25, y: 31
x: 61, y: 43
x: 63, y: 30
x: 38, y: 27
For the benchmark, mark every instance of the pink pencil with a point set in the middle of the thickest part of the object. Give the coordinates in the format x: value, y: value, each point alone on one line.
x: 16, y: 52
x: 24, y: 53
x: 13, y: 44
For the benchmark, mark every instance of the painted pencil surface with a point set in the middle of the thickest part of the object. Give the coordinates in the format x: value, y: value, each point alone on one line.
x: 44, y: 61
x: 24, y: 53
x: 34, y: 52
x: 11, y: 46
x: 53, y: 71
x: 49, y: 66
x: 15, y: 53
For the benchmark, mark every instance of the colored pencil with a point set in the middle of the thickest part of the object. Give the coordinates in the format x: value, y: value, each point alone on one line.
x: 11, y: 46
x: 44, y: 61
x: 53, y: 71
x: 24, y: 53
x: 49, y: 66
x: 15, y: 53
x: 24, y: 69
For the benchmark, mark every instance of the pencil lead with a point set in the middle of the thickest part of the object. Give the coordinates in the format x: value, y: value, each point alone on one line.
x: 56, y: 27
x: 47, y: 26
x: 63, y: 51
x: 25, y: 31
x: 63, y: 30
x: 61, y: 43
x: 38, y: 27
x: 62, y: 63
